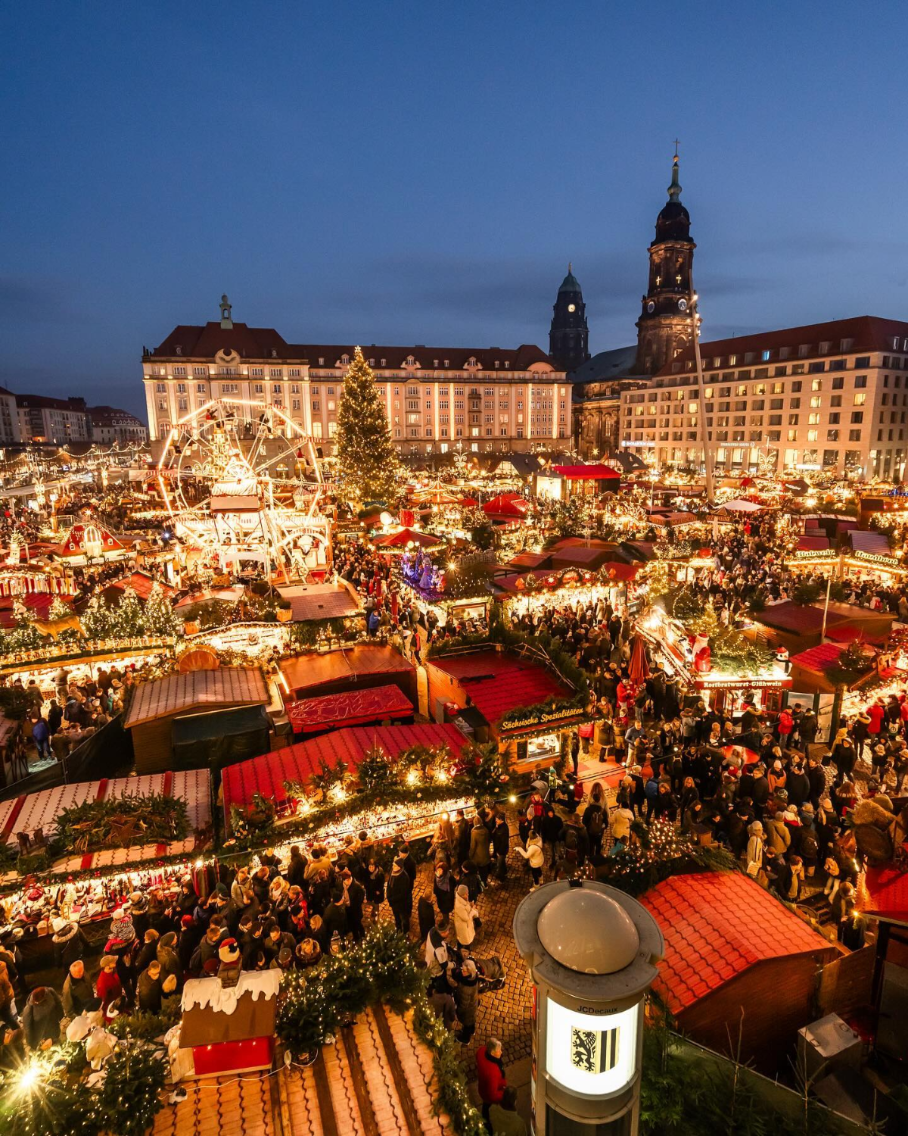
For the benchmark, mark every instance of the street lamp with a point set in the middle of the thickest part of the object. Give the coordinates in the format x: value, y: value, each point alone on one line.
x: 591, y: 950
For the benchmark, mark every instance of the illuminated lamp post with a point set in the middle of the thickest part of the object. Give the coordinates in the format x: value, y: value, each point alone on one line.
x: 592, y: 951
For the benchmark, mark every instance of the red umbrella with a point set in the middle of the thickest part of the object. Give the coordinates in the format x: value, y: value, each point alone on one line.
x: 639, y: 668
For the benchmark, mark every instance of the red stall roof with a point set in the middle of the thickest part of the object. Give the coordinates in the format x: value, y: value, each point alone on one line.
x: 716, y: 926
x: 267, y: 774
x: 592, y: 472
x: 306, y: 672
x: 348, y: 709
x: 499, y: 683
x: 506, y: 505
x: 883, y: 893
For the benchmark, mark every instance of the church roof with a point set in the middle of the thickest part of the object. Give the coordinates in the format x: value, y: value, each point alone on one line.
x: 570, y: 283
x: 615, y: 364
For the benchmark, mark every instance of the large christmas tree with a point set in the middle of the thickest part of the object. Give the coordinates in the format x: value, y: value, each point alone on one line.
x: 368, y: 462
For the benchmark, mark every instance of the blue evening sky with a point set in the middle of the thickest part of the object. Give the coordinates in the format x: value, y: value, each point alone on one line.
x: 422, y: 172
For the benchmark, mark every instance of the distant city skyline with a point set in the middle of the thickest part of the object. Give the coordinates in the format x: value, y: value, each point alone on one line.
x: 410, y: 176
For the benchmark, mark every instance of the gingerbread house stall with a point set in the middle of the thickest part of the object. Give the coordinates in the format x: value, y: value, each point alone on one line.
x: 90, y: 544
x: 227, y: 1025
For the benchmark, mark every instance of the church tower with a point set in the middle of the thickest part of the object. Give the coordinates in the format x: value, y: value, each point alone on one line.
x: 665, y: 324
x: 569, y: 336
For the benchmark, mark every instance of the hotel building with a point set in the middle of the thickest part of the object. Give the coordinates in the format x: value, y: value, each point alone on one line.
x: 435, y: 397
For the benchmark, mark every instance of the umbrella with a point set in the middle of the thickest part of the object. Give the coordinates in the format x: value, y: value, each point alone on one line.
x: 639, y: 668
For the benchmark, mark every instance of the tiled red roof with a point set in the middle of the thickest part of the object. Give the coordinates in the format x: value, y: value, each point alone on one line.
x: 306, y: 672
x: 819, y: 658
x: 849, y: 632
x: 498, y: 683
x: 883, y: 893
x: 267, y: 774
x: 812, y: 543
x: 591, y: 472
x: 39, y: 603
x: 717, y: 925
x: 348, y: 709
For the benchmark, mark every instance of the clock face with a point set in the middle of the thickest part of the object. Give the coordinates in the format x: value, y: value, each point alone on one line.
x: 682, y: 305
x: 651, y: 307
x: 572, y: 307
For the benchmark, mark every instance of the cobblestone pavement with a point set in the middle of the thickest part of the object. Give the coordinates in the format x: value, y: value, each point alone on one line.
x: 504, y: 1013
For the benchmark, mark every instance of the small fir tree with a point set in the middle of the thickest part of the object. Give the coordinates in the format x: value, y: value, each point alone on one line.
x: 160, y: 618
x: 368, y: 461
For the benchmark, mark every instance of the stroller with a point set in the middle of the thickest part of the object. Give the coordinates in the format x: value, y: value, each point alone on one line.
x: 491, y: 973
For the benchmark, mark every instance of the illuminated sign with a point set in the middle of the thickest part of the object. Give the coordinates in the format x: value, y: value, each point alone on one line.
x: 877, y: 558
x: 815, y: 554
x: 542, y: 718
x: 591, y: 1053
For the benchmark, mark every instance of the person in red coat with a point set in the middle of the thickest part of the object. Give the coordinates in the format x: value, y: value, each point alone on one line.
x: 490, y: 1075
x: 108, y: 987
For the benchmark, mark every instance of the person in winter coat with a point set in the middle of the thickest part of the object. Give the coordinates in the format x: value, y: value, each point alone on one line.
x: 535, y: 858
x: 490, y: 1075
x: 462, y: 835
x: 778, y: 838
x: 464, y: 927
x: 501, y: 845
x: 784, y: 727
x: 754, y: 851
x: 437, y: 957
x: 400, y: 898
x: 42, y: 1016
x: 425, y: 916
x: 504, y: 1120
x: 108, y: 988
x: 149, y: 989
x: 466, y: 992
x: 169, y: 959
x: 375, y: 887
x: 552, y: 827
x: 443, y: 886
x: 798, y: 784
x: 479, y: 849
x: 69, y: 943
x: 77, y: 992
x: 777, y: 778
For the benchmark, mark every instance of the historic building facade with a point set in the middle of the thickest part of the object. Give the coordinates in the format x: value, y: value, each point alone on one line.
x: 52, y: 421
x: 825, y: 396
x: 436, y: 398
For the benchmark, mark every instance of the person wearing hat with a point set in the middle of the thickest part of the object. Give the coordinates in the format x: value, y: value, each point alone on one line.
x: 69, y: 942
x: 41, y: 1018
x: 124, y: 945
x: 77, y: 992
x: 167, y: 955
x: 138, y: 913
x: 108, y: 987
x: 284, y: 959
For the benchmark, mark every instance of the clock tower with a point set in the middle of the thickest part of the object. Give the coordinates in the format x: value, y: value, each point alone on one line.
x: 665, y: 325
x: 569, y: 336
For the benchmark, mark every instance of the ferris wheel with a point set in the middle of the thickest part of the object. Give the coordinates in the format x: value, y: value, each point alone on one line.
x: 242, y: 482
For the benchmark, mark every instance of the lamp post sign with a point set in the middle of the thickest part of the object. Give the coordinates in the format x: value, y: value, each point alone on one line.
x: 592, y: 952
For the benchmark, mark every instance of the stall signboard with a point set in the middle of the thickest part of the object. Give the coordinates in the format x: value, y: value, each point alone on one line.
x: 537, y: 717
x: 815, y: 555
x: 876, y: 560
x: 740, y: 682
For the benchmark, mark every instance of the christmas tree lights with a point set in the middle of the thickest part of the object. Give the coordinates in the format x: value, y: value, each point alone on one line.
x: 366, y: 456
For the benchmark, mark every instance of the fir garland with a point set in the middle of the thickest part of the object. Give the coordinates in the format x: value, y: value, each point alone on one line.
x: 148, y: 819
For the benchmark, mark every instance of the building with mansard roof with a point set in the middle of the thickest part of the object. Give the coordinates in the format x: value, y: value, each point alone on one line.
x: 483, y: 399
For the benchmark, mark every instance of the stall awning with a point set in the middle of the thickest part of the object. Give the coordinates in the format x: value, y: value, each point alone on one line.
x: 877, y: 543
x: 883, y: 893
x: 355, y: 707
x: 300, y: 762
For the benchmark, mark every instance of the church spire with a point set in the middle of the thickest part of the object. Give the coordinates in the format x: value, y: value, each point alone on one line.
x: 674, y: 190
x: 569, y: 333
